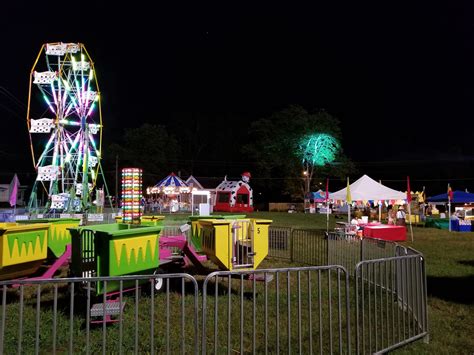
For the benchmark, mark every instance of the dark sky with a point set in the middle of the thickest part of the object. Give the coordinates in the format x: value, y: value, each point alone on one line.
x: 398, y: 75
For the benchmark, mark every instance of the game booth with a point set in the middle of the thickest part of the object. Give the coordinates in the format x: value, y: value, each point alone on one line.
x: 462, y: 212
x: 315, y: 202
x: 367, y: 189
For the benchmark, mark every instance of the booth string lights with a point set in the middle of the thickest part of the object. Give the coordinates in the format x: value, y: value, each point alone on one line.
x: 131, y: 195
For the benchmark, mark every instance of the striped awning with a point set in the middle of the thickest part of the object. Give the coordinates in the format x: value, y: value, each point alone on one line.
x: 170, y: 184
x: 171, y: 181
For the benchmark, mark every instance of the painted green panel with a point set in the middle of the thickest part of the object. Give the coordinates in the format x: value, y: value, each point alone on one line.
x: 196, y: 237
x: 25, y: 237
x: 133, y: 261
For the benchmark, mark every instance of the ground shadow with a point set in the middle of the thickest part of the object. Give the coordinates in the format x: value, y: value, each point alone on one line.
x: 452, y: 289
x: 466, y: 262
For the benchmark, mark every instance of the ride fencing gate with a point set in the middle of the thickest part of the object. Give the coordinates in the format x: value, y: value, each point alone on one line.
x: 387, y: 284
x: 369, y: 297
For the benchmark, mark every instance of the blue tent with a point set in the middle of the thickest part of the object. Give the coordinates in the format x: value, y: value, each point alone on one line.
x: 319, y: 196
x: 458, y: 197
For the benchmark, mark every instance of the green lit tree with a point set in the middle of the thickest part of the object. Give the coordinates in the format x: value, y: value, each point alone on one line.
x: 316, y: 150
x: 277, y: 149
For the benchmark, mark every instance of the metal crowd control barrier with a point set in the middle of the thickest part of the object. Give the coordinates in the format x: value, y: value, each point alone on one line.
x: 322, y: 309
x: 303, y: 310
x: 279, y: 242
x: 65, y: 316
x: 86, y: 218
x: 307, y: 246
x: 348, y: 249
x: 172, y: 228
x: 391, y: 303
x: 390, y: 283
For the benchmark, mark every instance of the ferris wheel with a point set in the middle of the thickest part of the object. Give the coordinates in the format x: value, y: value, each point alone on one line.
x: 65, y: 127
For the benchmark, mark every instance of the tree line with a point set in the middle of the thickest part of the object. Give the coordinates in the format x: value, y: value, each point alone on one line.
x: 215, y: 146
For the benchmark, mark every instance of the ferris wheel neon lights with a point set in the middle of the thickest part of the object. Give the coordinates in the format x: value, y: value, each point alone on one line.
x: 68, y: 118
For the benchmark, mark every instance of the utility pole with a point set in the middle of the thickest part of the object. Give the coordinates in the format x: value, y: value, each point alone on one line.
x: 116, y: 182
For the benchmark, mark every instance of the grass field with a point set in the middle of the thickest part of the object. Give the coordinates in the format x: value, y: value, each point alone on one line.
x: 450, y: 273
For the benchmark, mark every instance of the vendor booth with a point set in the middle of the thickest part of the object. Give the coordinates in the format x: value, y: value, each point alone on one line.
x: 459, y: 197
x: 366, y: 189
x: 315, y: 201
x: 463, y: 203
x: 201, y: 201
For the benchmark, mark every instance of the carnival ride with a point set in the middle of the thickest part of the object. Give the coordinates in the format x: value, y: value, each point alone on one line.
x: 65, y: 128
x: 231, y: 242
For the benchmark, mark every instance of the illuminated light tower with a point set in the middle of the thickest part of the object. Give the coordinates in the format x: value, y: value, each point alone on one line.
x: 65, y: 126
x: 131, y: 195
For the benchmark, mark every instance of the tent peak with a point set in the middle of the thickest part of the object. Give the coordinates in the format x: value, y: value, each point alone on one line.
x: 365, y: 188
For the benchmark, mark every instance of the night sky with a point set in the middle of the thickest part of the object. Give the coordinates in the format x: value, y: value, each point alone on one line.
x: 399, y: 76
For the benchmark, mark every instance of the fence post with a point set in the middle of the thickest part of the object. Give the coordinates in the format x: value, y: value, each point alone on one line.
x: 362, y: 249
x: 426, y: 338
x: 291, y: 244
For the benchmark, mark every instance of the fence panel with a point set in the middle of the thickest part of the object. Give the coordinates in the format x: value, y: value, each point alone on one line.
x: 309, y: 246
x: 66, y: 316
x: 302, y: 310
x: 279, y: 242
x: 344, y: 249
x: 377, y: 249
x: 348, y: 249
x: 391, y: 303
x: 172, y: 228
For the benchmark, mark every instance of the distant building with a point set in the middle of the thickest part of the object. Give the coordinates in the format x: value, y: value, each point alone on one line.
x: 5, y: 197
x: 192, y: 182
x: 198, y: 192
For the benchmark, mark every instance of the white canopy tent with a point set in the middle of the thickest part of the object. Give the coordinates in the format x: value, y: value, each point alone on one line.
x: 366, y: 189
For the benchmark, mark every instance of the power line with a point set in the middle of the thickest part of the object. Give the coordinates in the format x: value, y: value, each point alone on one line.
x: 12, y: 97
x: 6, y: 108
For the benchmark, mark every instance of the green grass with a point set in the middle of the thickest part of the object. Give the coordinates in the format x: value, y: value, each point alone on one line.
x: 450, y: 274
